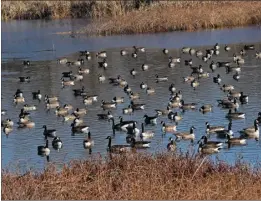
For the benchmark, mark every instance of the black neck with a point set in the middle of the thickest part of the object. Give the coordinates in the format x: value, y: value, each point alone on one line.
x: 142, y: 128
x: 109, y: 144
x: 46, y: 146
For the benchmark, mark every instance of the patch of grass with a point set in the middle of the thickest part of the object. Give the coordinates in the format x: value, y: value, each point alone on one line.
x: 137, y: 176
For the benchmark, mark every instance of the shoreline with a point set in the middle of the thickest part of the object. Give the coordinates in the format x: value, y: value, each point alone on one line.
x: 120, y: 17
x: 138, y: 176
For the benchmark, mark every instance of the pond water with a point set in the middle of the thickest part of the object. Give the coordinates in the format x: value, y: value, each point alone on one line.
x: 33, y: 40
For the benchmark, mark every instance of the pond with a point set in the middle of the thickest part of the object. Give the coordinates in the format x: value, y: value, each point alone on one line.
x: 36, y: 41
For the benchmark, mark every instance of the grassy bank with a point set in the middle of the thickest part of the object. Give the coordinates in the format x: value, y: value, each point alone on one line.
x: 138, y: 176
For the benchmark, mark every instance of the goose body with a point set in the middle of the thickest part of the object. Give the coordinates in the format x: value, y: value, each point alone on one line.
x: 29, y: 107
x: 174, y: 116
x: 171, y: 146
x: 67, y: 82
x: 7, y: 130
x: 134, y: 96
x: 236, y: 76
x: 150, y: 90
x: 80, y: 128
x: 235, y: 115
x: 7, y: 122
x: 251, y: 132
x: 186, y: 135
x: 106, y: 116
x: 102, y: 54
x: 217, y: 79
x: 137, y: 106
x: 19, y: 100
x: 145, y: 67
x: 57, y: 143
x: 235, y: 141
x: 207, y: 149
x: 206, y: 108
x: 230, y: 104
x: 83, y: 71
x: 123, y: 52
x: 117, y: 149
x: 150, y: 120
x: 227, y: 87
x: 168, y: 128
x: 88, y: 142
x: 127, y: 110
x: 211, y: 143
x: 24, y: 79
x: 139, y: 49
x: 174, y: 60
x: 163, y: 112
x: 80, y: 112
x: 43, y: 150
x: 61, y: 111
x: 108, y: 105
x: 139, y: 144
x: 51, y: 99
x: 243, y: 98
x: 67, y: 74
x: 194, y: 84
x: 143, y: 85
x: 133, y: 72
x: 227, y: 48
x: 161, y: 79
x: 223, y: 133
x: 51, y: 105
x: 187, y: 105
x: 101, y: 78
x: 147, y: 133
x: 212, y: 129
x: 62, y: 61
x: 49, y: 133
x: 37, y: 95
x: 27, y: 124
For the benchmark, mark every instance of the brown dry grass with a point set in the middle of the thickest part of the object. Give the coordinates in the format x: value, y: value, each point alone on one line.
x: 173, y: 16
x: 137, y: 176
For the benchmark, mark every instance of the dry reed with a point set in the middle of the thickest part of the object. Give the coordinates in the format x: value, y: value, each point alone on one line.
x: 137, y: 176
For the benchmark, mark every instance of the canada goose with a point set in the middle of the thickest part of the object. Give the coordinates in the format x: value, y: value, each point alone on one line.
x: 235, y: 141
x: 134, y: 54
x: 117, y: 148
x: 118, y: 99
x: 185, y: 49
x: 145, y: 67
x: 207, y: 149
x: 227, y: 48
x: 243, y: 98
x: 199, y: 53
x: 83, y: 71
x: 251, y: 132
x: 139, y: 144
x: 80, y: 112
x: 196, y: 70
x: 223, y: 64
x: 172, y: 88
x: 203, y: 75
x: 216, y: 46
x: 186, y: 135
x: 50, y: 99
x: 79, y: 92
x: 37, y: 95
x: 88, y: 142
x: 7, y: 129
x: 236, y: 76
x: 3, y: 112
x: 84, y: 53
x: 7, y: 122
x: 235, y: 115
x: 240, y: 61
x: 51, y: 105
x: 171, y: 146
x: 208, y: 143
x: 57, y: 143
x: 79, y: 62
x: 134, y: 96
x: 127, y: 110
x: 124, y: 52
x: 43, y: 150
x: 108, y: 105
x: 61, y: 111
x: 171, y: 65
x: 194, y: 84
x: 235, y: 57
x: 24, y: 79
x: 88, y: 56
x: 151, y: 119
x: 163, y: 112
x: 213, y: 66
x: 188, y: 62
x: 205, y: 59
x: 188, y: 79
x: 192, y: 51
x: 131, y: 129
x: 24, y: 119
x: 94, y: 98
x: 227, y: 87
x: 77, y: 121
x: 143, y: 85
x: 67, y: 74
x: 24, y: 113
x: 137, y: 106
x: 79, y: 128
x: 101, y: 54
x: 212, y: 129
x: 133, y: 72
x: 106, y: 116
x: 187, y: 105
x: 18, y: 93
x: 174, y: 116
x: 234, y: 94
x: 26, y: 63
x: 233, y: 104
x: 103, y: 64
x: 147, y: 133
x: 129, y: 123
x: 116, y: 126
x: 233, y: 69
x: 206, y: 108
x: 168, y: 128
x: 49, y: 133
x: 139, y: 49
x: 19, y: 100
x: 161, y: 79
x: 258, y: 55
x: 122, y: 82
x: 87, y: 101
x: 249, y: 47
x: 127, y: 89
x: 29, y: 108
x: 217, y: 79
x: 165, y: 51
x: 225, y: 101
x: 67, y: 82
x: 210, y: 51
x: 69, y: 117
x: 101, y: 78
x: 77, y: 77
x: 242, y: 52
x: 27, y: 124
x: 174, y: 60
x: 175, y: 104
x: 150, y: 90
x: 224, y: 132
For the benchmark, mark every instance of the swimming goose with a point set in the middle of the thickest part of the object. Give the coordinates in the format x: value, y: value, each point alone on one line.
x: 199, y: 53
x: 206, y: 108
x: 161, y: 79
x: 24, y: 119
x: 163, y: 112
x: 243, y: 98
x: 24, y: 79
x: 70, y: 117
x: 242, y: 52
x: 224, y: 132
x: 235, y: 115
x: 28, y: 124
x: 133, y: 72
x: 118, y: 126
x: 37, y: 95
x: 171, y: 146
x: 235, y: 141
x: 83, y: 71
x: 196, y: 70
x: 145, y: 67
x: 227, y: 48
x: 67, y: 82
x: 258, y: 55
x: 175, y: 103
x: 124, y: 52
x: 43, y: 150
x: 3, y: 112
x: 131, y: 129
x: 88, y: 142
x: 134, y: 54
x: 24, y: 113
x: 233, y: 69
x: 114, y: 80
x: 101, y: 54
x: 188, y: 62
x: 103, y: 64
x: 212, y: 129
x: 188, y: 79
x: 213, y: 66
x: 225, y: 101
x: 18, y: 93
x: 172, y: 88
x: 139, y: 144
x: 118, y: 99
x: 165, y: 51
x: 235, y: 57
x: 192, y: 51
x: 174, y: 60
x: 68, y: 107
x: 249, y: 47
x: 174, y: 116
x: 51, y: 105
x: 61, y: 111
x: 79, y: 128
x: 203, y: 75
x: 185, y: 49
x: 79, y: 62
x: 168, y: 128
x: 106, y: 116
x: 150, y: 90
x: 151, y: 119
x: 101, y: 78
x: 147, y: 133
x: 234, y: 94
x: 186, y: 135
x: 7, y: 122
x: 223, y: 64
x: 7, y: 130
x: 29, y: 108
x: 233, y: 104
x: 207, y: 150
x: 251, y: 132
x: 50, y: 99
x: 77, y: 77
x: 134, y: 96
x: 57, y: 143
x: 79, y: 92
x: 80, y: 112
x: 139, y: 49
x: 108, y: 105
x: 240, y: 61
x: 19, y: 100
x: 208, y: 143
x: 117, y: 148
x: 127, y: 110
x: 236, y: 76
x: 143, y: 85
x: 49, y: 133
x: 137, y: 106
x: 87, y: 101
x: 194, y: 84
x: 187, y: 105
x: 26, y: 63
x: 84, y: 53
x: 127, y: 89
x: 67, y: 74
x: 227, y: 87
x: 216, y: 46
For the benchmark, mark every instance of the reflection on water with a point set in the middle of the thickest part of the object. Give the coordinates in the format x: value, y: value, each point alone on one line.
x: 21, y: 145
